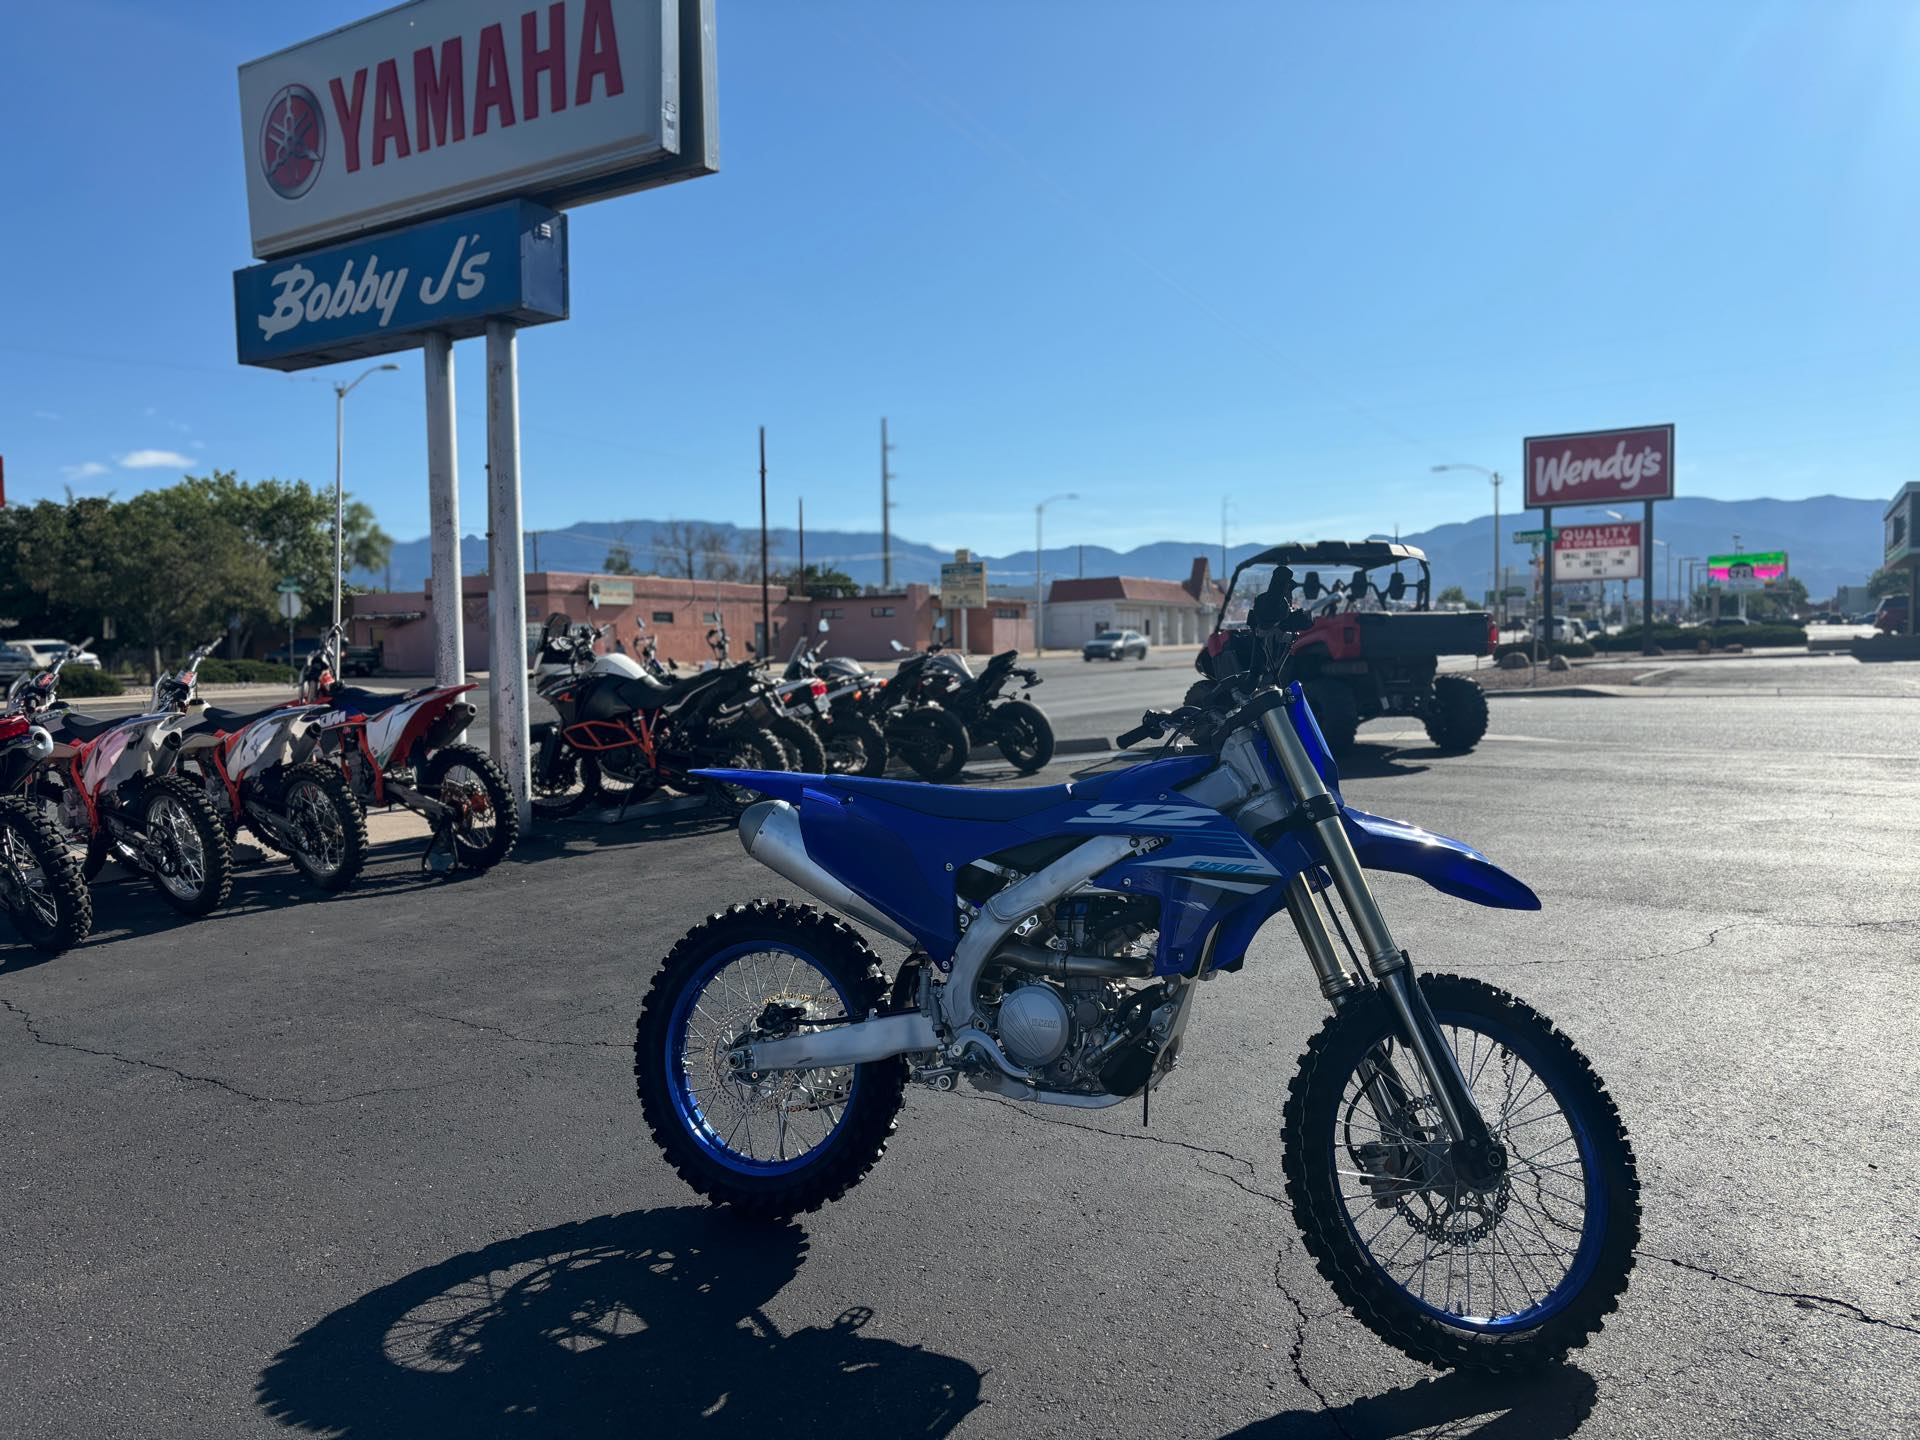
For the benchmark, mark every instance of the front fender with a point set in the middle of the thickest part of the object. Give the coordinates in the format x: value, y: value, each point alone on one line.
x: 1451, y: 866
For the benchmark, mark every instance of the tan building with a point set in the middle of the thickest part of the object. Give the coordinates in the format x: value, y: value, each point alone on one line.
x: 1167, y: 612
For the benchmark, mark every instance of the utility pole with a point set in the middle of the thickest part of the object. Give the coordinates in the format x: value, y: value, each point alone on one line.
x: 886, y: 510
x: 533, y: 536
x: 800, y: 571
x: 1080, y: 562
x: 1224, y: 501
x: 766, y: 604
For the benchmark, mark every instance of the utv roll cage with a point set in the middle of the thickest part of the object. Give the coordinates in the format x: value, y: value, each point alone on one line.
x: 1361, y: 555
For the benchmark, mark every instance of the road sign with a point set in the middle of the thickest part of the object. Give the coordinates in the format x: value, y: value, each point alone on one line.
x: 1598, y: 467
x: 609, y: 594
x: 444, y: 105
x: 963, y: 584
x: 1749, y: 570
x: 1597, y: 552
x: 371, y: 297
x: 1534, y: 537
x: 290, y: 606
x: 288, y: 587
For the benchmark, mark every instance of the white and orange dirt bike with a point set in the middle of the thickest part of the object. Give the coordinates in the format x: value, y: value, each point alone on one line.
x: 403, y: 749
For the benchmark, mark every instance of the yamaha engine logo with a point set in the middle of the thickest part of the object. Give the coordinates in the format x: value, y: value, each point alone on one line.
x: 293, y: 141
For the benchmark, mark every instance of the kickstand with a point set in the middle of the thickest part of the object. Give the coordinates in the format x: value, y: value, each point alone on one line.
x: 437, y: 858
x: 1146, y: 1096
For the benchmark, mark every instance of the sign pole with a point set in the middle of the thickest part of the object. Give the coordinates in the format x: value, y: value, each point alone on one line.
x: 1546, y: 582
x: 1646, y: 581
x: 443, y: 504
x: 766, y: 606
x: 507, y: 595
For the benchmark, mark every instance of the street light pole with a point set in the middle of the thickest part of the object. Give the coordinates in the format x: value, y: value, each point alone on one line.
x: 1039, y: 595
x: 1500, y: 599
x: 340, y: 393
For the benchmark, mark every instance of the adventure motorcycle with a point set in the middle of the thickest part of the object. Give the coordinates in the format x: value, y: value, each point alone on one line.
x: 41, y: 887
x: 401, y: 749
x: 942, y: 677
x: 624, y: 732
x: 1454, y: 1164
x: 259, y: 767
x: 110, y: 786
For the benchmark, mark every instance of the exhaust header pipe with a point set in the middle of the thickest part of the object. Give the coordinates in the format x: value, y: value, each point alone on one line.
x: 770, y: 833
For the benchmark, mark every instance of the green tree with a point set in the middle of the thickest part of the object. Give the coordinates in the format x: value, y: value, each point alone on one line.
x: 1452, y: 595
x: 1888, y: 581
x: 821, y: 580
x: 619, y: 560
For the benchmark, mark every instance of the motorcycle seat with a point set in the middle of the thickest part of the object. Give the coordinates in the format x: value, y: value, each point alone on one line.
x: 233, y: 719
x: 953, y: 802
x: 645, y: 692
x: 364, y: 702
x: 76, y: 726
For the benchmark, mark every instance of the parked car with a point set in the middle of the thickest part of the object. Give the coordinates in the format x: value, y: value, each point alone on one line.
x: 42, y: 653
x: 1725, y: 620
x: 302, y: 649
x: 1894, y: 615
x: 1115, y: 645
x: 360, y: 660
x: 1566, y: 629
x: 14, y: 662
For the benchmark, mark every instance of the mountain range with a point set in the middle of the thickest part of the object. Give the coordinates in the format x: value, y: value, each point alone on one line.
x: 1831, y: 540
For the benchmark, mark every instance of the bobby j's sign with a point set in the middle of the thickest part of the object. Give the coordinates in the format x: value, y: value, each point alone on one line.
x: 378, y: 295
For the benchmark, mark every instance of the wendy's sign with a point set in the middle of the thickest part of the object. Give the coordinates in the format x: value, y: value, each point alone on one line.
x: 1599, y: 467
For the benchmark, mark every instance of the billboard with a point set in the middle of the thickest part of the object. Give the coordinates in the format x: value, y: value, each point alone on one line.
x: 1749, y: 570
x: 1597, y: 552
x: 381, y: 294
x: 443, y: 105
x: 1598, y: 467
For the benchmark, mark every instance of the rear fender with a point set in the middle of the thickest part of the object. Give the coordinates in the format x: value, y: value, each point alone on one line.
x: 774, y: 784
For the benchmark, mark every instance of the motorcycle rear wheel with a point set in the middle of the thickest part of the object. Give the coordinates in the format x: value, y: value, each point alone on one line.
x: 40, y: 881
x: 855, y: 746
x: 194, y: 873
x: 787, y: 1142
x: 1399, y: 1234
x: 1025, y: 735
x: 801, y: 742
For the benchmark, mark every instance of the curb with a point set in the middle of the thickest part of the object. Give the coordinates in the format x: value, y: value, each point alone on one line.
x: 1555, y: 692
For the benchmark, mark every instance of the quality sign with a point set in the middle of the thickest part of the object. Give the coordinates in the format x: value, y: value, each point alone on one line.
x: 1597, y: 552
x: 444, y: 105
x: 1598, y: 467
x: 382, y: 294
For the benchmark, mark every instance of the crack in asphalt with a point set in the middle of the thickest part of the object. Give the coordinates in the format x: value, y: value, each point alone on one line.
x: 1044, y: 1118
x: 1296, y: 1353
x: 214, y: 1081
x: 1713, y: 936
x: 511, y: 1035
x: 1832, y: 1305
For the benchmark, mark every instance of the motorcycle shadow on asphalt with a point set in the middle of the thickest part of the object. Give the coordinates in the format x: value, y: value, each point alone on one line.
x: 1550, y: 1405
x: 648, y: 1323
x: 1380, y: 761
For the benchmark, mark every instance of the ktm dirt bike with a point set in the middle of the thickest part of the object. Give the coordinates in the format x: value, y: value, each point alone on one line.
x: 112, y: 787
x: 260, y: 768
x: 1455, y: 1166
x: 403, y: 749
x: 41, y: 887
x: 624, y: 733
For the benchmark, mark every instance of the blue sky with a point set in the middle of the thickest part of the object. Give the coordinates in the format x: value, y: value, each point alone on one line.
x: 1156, y: 254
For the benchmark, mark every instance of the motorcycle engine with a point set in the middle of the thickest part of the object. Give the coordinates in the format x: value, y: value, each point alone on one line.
x: 1034, y: 1024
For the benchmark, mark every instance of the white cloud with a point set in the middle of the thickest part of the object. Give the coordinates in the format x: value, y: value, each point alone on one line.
x: 154, y: 460
x: 85, y: 470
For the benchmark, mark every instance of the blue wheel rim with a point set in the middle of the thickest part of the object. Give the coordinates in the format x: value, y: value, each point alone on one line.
x: 1594, y: 1199
x: 711, y: 1132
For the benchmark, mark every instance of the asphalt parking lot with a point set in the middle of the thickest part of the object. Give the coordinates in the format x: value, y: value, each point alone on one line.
x: 371, y: 1166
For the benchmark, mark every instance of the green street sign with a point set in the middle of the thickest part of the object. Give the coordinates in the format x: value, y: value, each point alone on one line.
x: 288, y: 587
x: 1534, y: 537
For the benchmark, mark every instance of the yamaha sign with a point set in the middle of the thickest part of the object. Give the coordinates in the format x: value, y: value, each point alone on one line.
x: 445, y: 105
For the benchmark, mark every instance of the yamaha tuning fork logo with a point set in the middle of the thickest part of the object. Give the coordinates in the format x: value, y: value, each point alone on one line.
x: 293, y: 141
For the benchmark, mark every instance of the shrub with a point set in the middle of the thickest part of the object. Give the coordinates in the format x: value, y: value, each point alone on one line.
x: 79, y: 681
x: 1675, y: 637
x: 244, y: 672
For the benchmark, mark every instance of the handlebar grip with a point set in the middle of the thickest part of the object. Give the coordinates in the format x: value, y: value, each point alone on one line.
x: 1147, y: 729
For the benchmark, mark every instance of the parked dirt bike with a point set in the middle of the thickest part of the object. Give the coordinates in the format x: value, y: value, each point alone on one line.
x: 854, y: 742
x: 1437, y: 1127
x: 110, y: 787
x: 398, y: 749
x: 1017, y: 727
x: 41, y: 887
x: 261, y: 768
x: 625, y: 733
x: 788, y: 718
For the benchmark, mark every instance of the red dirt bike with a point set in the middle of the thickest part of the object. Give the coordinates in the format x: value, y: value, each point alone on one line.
x: 399, y: 749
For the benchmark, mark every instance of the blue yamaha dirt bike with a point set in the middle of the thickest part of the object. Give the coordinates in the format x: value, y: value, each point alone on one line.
x: 1455, y: 1166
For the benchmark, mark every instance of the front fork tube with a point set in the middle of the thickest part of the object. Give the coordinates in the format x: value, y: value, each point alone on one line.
x: 1388, y: 962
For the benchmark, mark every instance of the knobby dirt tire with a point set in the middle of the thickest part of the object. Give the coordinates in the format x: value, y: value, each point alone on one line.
x: 851, y: 1151
x: 506, y: 816
x: 347, y: 809
x: 41, y: 845
x: 1310, y: 1133
x: 1457, y: 716
x: 215, y: 848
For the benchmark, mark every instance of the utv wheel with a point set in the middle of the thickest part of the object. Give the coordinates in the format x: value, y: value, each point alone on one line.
x: 329, y: 826
x: 933, y: 742
x: 1498, y: 1278
x: 769, y: 1145
x: 1026, y: 737
x: 1457, y: 715
x: 193, y: 859
x: 487, y: 823
x: 40, y: 882
x: 1337, y: 712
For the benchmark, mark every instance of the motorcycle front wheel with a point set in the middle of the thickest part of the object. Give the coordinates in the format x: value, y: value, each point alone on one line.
x: 1025, y: 735
x: 190, y: 859
x: 486, y: 824
x: 932, y: 741
x: 559, y: 784
x: 855, y: 745
x: 40, y: 881
x: 1497, y: 1277
x: 329, y: 826
x: 782, y: 1143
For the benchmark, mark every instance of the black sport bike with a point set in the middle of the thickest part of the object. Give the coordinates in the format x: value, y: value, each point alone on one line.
x: 1016, y: 726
